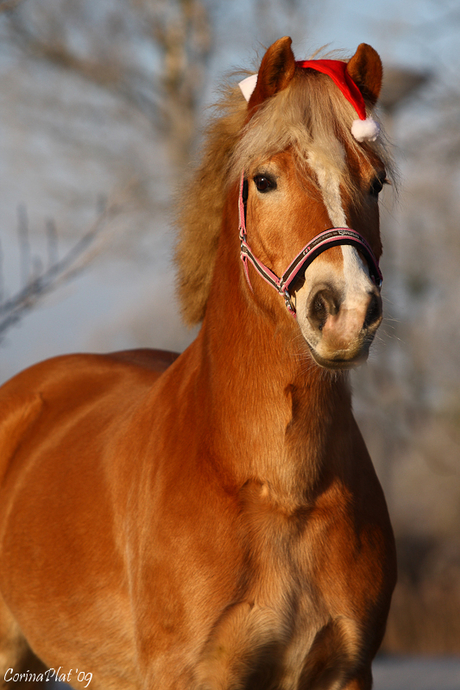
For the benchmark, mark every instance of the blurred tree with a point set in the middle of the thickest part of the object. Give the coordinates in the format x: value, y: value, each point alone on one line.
x: 152, y: 56
x: 152, y: 53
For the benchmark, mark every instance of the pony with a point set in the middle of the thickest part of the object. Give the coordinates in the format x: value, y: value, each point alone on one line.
x: 213, y: 521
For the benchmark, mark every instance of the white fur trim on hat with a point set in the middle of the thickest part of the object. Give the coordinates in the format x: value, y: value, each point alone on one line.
x: 365, y: 130
x: 248, y: 85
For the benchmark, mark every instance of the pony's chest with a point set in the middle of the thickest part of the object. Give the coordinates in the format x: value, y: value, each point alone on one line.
x: 300, y: 560
x: 286, y: 624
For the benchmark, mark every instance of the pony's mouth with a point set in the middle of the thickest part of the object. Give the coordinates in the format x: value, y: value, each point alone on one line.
x: 341, y: 361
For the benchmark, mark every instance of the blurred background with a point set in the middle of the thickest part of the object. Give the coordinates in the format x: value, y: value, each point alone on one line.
x: 101, y: 106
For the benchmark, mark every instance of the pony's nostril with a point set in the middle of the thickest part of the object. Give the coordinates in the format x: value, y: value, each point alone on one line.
x: 374, y: 311
x: 318, y: 312
x: 322, y: 304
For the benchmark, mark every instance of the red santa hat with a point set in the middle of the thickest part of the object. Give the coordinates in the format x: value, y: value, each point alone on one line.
x: 364, y: 129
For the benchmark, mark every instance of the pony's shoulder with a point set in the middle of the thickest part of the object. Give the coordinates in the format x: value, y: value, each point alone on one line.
x: 145, y: 361
x: 68, y: 376
x: 59, y: 385
x: 153, y: 360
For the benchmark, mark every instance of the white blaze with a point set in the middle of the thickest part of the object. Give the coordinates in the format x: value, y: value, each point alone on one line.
x: 355, y: 271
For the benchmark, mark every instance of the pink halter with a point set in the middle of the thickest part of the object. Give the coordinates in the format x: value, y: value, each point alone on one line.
x: 319, y: 244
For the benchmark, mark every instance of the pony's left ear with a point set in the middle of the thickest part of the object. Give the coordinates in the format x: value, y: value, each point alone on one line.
x: 276, y: 71
x: 365, y: 68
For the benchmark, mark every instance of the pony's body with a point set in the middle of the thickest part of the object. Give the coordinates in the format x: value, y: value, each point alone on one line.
x: 207, y: 522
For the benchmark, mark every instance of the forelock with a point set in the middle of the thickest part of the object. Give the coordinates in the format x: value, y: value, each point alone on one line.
x: 312, y: 119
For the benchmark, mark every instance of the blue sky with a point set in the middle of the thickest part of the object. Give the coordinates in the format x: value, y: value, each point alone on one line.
x: 415, y: 33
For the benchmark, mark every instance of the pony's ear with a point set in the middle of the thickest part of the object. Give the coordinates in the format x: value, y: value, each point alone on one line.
x: 365, y: 68
x: 276, y: 71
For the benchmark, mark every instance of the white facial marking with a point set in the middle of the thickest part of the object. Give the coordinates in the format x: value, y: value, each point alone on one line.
x: 329, y: 183
x: 352, y: 279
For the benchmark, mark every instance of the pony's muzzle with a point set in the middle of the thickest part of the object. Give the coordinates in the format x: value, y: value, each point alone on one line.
x: 342, y: 328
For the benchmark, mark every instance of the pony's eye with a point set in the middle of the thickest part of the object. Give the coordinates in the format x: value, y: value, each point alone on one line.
x: 264, y: 183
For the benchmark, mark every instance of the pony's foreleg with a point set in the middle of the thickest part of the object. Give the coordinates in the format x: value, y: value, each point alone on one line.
x: 18, y: 664
x: 12, y: 643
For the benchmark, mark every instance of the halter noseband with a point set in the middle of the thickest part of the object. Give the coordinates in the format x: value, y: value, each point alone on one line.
x: 319, y: 244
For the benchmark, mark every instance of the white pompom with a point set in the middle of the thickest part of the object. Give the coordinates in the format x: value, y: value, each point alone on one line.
x: 365, y: 130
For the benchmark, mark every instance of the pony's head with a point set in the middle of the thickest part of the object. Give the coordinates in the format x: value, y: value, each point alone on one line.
x: 305, y: 171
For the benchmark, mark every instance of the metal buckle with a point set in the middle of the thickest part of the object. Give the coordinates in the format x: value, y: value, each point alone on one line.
x: 288, y: 301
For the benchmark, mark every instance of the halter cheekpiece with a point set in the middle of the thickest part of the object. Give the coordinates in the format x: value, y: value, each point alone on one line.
x: 324, y: 240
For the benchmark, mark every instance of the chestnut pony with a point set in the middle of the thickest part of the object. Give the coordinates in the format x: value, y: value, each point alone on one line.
x: 213, y: 521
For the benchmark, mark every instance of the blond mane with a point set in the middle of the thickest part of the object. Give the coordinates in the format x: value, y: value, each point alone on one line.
x: 306, y: 117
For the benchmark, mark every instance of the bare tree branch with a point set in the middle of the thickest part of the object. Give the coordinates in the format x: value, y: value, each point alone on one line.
x: 59, y: 271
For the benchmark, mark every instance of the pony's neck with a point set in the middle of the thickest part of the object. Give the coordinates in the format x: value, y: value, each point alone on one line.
x: 270, y: 408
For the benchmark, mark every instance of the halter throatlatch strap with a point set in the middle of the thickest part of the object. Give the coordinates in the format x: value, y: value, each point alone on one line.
x: 319, y: 244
